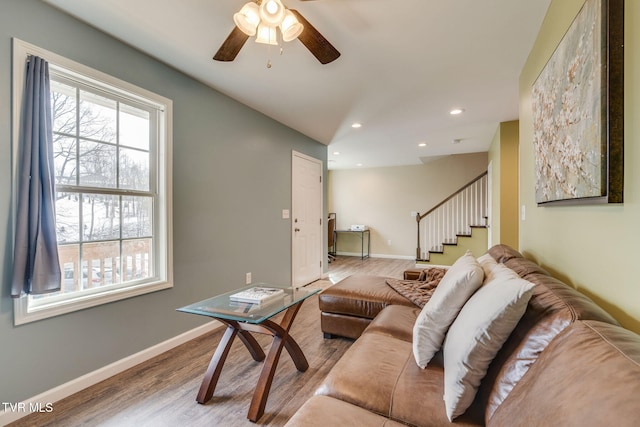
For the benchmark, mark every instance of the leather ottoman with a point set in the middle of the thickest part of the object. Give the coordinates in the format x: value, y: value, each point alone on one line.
x: 348, y: 307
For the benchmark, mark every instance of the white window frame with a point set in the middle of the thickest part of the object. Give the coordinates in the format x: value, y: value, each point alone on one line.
x: 163, y: 222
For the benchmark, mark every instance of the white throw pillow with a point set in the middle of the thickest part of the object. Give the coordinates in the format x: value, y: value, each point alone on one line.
x: 488, y: 263
x: 457, y: 285
x: 482, y: 327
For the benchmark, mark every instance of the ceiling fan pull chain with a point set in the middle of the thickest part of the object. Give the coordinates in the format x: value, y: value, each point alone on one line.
x: 269, y: 54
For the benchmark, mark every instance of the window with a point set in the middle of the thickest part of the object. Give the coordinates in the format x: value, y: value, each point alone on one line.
x: 112, y: 172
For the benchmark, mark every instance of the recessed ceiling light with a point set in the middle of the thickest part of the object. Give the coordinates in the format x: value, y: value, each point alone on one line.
x: 356, y: 125
x: 422, y: 144
x: 359, y: 165
x: 456, y: 111
x: 336, y: 153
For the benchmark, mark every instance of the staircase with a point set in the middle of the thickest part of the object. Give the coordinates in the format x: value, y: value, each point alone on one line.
x: 457, y: 224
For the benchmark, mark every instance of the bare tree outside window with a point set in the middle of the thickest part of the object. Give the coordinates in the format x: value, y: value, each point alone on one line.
x: 105, y: 236
x: 112, y: 165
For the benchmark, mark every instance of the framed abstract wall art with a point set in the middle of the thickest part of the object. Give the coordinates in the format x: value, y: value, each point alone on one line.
x: 578, y: 111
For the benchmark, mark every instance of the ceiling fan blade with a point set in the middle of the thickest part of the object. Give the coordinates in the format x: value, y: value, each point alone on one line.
x: 231, y: 46
x: 315, y: 42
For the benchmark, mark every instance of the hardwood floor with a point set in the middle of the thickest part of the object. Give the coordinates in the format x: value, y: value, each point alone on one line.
x: 345, y: 266
x: 162, y: 391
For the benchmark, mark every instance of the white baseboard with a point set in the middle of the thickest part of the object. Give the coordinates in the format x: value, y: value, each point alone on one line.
x: 45, y: 402
x: 358, y: 254
x: 408, y: 257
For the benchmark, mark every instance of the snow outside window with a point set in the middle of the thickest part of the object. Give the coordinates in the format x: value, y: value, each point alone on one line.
x: 112, y: 169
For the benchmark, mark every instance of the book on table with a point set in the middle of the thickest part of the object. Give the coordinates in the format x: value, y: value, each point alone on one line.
x: 257, y: 295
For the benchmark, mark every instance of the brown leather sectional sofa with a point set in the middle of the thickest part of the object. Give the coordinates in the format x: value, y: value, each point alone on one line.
x: 567, y: 363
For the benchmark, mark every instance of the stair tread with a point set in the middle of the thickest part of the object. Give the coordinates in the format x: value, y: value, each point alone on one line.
x: 440, y: 250
x: 451, y: 213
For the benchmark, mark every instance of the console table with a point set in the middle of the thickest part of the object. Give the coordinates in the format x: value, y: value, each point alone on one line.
x: 361, y: 234
x: 243, y: 318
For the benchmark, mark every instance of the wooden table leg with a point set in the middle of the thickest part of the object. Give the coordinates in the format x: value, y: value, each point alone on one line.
x: 296, y: 354
x: 252, y: 345
x: 281, y: 339
x: 210, y: 380
x: 261, y: 394
x: 217, y: 360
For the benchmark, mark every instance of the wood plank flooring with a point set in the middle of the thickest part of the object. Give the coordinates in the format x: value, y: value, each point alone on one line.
x: 345, y: 266
x: 162, y: 390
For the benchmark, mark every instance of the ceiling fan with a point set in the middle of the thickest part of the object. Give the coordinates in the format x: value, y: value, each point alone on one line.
x: 262, y: 18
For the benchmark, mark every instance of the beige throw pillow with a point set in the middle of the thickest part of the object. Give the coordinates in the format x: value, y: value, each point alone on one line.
x: 458, y: 284
x: 482, y: 327
x: 488, y: 263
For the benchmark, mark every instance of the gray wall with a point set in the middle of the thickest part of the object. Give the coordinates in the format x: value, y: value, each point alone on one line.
x: 231, y: 180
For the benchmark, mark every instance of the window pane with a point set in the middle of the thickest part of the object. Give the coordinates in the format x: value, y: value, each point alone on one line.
x: 136, y: 259
x: 109, y: 187
x: 69, y: 264
x: 97, y: 117
x: 63, y: 104
x: 69, y: 256
x: 97, y: 164
x: 100, y: 217
x: 137, y: 214
x: 64, y: 156
x: 134, y: 169
x: 100, y: 264
x: 68, y: 217
x: 134, y: 127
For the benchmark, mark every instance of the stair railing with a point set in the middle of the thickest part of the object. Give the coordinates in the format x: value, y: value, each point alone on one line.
x: 452, y: 217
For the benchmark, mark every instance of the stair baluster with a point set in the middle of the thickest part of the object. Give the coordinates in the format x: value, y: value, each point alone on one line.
x: 454, y: 216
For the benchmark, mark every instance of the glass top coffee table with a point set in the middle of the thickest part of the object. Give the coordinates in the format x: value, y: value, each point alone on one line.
x: 242, y: 318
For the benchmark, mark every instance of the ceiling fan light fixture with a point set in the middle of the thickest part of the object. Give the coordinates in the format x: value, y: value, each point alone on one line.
x: 266, y: 34
x: 264, y: 19
x: 272, y: 12
x: 248, y: 18
x: 290, y: 27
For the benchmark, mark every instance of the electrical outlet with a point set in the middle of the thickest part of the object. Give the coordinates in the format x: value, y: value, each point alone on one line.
x: 248, y: 279
x: 389, y: 242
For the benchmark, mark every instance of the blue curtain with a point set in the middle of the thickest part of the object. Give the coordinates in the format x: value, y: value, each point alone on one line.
x: 36, y: 269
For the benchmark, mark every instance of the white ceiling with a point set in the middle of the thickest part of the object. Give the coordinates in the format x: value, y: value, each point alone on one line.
x: 404, y: 65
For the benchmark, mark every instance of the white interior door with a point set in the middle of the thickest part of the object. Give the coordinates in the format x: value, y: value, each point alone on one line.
x: 306, y: 219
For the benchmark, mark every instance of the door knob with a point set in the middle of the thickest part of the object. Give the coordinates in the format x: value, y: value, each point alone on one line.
x: 296, y: 229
